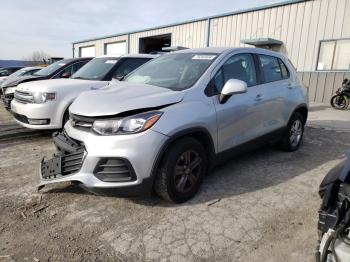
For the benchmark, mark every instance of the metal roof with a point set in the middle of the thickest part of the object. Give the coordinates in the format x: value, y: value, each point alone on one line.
x: 283, y: 3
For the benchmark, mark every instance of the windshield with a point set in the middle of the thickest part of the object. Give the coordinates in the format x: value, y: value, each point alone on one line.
x: 174, y: 71
x: 50, y: 69
x: 96, y: 69
x: 19, y: 73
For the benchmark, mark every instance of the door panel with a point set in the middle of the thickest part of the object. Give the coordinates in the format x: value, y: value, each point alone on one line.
x: 239, y: 118
x: 276, y: 89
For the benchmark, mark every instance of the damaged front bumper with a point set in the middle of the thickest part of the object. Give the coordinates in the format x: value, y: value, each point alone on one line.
x: 118, y: 168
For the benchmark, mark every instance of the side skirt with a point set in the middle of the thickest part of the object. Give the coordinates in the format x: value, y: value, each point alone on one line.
x: 264, y: 140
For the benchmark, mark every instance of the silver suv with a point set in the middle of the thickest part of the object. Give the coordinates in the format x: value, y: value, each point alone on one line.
x: 170, y: 121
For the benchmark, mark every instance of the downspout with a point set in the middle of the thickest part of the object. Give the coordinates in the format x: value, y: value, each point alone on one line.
x: 208, y: 33
x: 128, y: 43
x: 73, y: 49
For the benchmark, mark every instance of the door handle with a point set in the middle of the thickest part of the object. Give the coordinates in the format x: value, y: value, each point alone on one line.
x: 290, y: 86
x: 259, y: 97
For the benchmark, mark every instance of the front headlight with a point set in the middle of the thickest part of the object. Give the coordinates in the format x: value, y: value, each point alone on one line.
x: 129, y: 125
x: 40, y: 97
x: 9, y: 90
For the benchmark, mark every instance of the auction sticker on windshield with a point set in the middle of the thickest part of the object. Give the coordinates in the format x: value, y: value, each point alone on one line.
x: 111, y: 61
x: 203, y: 57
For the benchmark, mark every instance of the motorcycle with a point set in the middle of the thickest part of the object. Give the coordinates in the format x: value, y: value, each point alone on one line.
x: 342, y: 97
x: 334, y: 215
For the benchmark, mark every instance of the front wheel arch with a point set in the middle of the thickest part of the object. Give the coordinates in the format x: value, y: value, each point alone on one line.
x: 65, y: 113
x: 200, y: 134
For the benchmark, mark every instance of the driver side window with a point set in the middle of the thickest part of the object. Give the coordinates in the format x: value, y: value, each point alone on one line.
x: 240, y: 67
x: 66, y: 71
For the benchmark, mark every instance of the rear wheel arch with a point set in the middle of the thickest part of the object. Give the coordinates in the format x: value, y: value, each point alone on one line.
x: 303, y: 110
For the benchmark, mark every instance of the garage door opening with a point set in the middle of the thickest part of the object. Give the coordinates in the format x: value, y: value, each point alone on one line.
x: 154, y: 43
x: 116, y: 48
x: 87, y: 51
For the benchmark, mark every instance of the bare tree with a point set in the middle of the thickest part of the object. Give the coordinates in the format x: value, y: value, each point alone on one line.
x: 38, y: 56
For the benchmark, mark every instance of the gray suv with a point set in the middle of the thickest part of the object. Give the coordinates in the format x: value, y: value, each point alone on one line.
x: 170, y: 121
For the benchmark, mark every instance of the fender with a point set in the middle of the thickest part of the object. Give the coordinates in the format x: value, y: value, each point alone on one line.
x: 178, y: 135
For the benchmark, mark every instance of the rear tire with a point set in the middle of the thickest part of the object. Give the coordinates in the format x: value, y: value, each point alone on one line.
x: 340, y: 102
x: 293, y: 136
x: 181, y: 171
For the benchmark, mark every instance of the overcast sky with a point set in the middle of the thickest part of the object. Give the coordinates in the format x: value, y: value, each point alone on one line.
x: 52, y: 26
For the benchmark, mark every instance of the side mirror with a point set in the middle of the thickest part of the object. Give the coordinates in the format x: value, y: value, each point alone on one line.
x: 66, y: 75
x: 232, y: 87
x: 119, y: 77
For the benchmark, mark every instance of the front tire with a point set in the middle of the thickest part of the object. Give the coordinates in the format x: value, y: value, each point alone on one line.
x: 181, y: 171
x: 293, y: 136
x: 340, y: 102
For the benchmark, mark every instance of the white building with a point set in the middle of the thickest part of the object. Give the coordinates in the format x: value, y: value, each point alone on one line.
x: 314, y: 34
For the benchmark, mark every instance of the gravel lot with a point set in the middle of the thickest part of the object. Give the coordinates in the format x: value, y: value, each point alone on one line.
x: 259, y: 207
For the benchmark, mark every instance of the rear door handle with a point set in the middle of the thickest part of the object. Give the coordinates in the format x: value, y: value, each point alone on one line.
x: 259, y: 97
x: 290, y: 86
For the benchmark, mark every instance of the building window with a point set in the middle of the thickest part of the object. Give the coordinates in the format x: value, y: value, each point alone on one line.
x: 334, y: 55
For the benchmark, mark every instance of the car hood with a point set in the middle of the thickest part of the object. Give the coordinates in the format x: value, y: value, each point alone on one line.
x: 53, y: 85
x: 17, y: 80
x: 123, y: 97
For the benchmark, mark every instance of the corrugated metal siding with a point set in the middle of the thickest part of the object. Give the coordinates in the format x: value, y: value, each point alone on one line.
x: 300, y: 26
x: 190, y: 35
x: 322, y: 85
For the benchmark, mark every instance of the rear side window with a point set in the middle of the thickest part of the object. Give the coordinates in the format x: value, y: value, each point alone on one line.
x: 129, y: 65
x: 270, y: 68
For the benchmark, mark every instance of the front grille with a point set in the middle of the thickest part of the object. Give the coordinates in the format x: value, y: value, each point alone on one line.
x: 23, y: 97
x: 65, y: 144
x: 72, y: 163
x: 81, y: 121
x: 114, y: 170
x: 62, y: 165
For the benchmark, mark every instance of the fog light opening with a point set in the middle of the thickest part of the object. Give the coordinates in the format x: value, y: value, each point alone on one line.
x: 38, y: 121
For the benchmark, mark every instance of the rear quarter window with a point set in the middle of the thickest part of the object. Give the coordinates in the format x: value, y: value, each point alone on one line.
x: 284, y: 70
